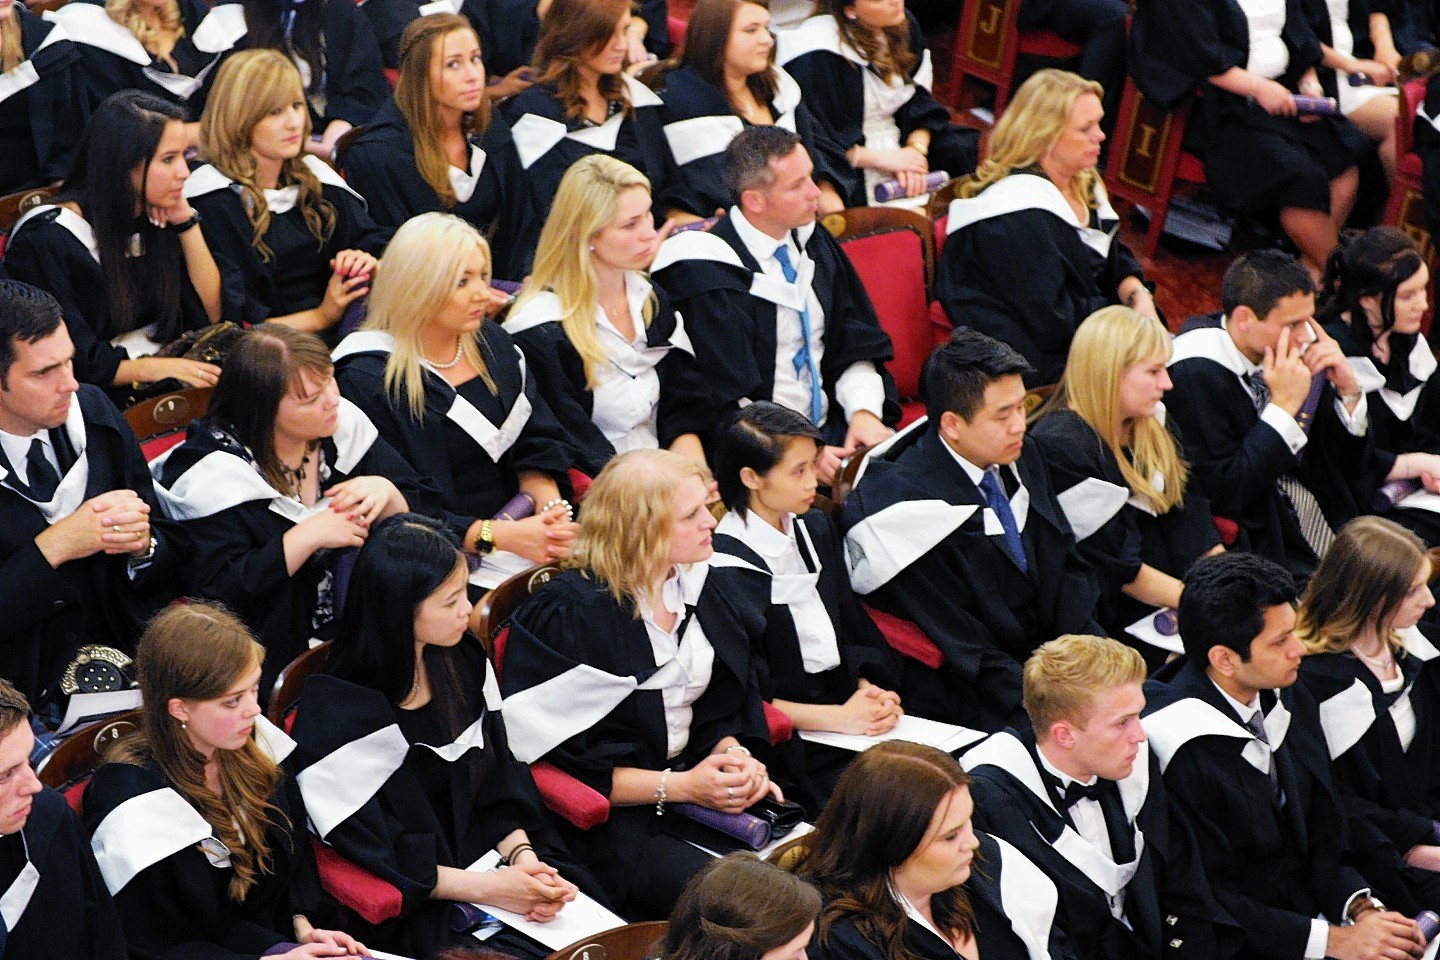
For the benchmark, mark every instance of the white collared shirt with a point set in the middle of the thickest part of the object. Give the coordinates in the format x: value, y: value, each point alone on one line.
x: 17, y: 449
x: 1089, y: 821
x: 1019, y: 506
x: 626, y: 399
x: 696, y: 657
x: 858, y: 388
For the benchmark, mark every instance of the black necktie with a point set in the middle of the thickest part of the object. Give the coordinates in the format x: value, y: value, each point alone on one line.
x: 42, y: 476
x: 1256, y: 725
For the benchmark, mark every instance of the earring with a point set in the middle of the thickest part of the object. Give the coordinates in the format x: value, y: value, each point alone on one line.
x: 184, y: 725
x: 592, y: 248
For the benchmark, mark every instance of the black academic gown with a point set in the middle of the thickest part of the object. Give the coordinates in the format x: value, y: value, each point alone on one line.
x: 574, y: 623
x: 50, y: 612
x: 684, y: 404
x: 1032, y: 302
x: 112, y: 58
x: 742, y: 584
x: 1168, y: 904
x: 422, y: 809
x: 916, y: 536
x: 69, y: 914
x: 1014, y: 916
x: 42, y: 114
x: 53, y: 248
x: 1391, y: 793
x: 171, y: 895
x: 1116, y: 534
x: 549, y: 142
x: 381, y: 167
x: 830, y: 71
x: 470, y: 443
x: 254, y: 289
x: 352, y: 84
x: 700, y: 122
x: 1404, y: 410
x: 709, y: 273
x: 1237, y: 457
x: 1253, y: 161
x: 1272, y: 869
x: 236, y: 520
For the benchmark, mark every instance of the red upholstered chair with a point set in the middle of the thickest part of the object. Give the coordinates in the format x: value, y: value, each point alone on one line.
x: 676, y: 28
x: 159, y: 423
x: 893, y: 251
x: 1147, y: 157
x: 1406, y: 208
x: 906, y: 638
x: 67, y: 768
x: 987, y: 44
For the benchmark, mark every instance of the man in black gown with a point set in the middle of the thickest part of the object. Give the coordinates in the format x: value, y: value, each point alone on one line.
x: 82, y: 566
x: 1247, y: 771
x: 1082, y: 797
x: 53, y: 901
x: 774, y: 307
x: 954, y: 526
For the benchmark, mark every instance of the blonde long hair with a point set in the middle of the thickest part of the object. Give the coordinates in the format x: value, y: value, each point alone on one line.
x: 419, y: 50
x: 423, y: 263
x: 197, y: 651
x: 625, y: 526
x: 12, y: 49
x: 585, y: 204
x: 1110, y: 341
x: 124, y: 13
x: 1028, y: 129
x: 248, y: 86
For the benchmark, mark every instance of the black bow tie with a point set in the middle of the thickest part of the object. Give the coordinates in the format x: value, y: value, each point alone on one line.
x: 1077, y: 791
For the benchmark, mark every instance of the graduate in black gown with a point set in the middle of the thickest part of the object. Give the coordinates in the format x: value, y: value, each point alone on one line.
x: 610, y: 675
x: 1259, y: 156
x: 334, y: 47
x: 199, y: 833
x: 1080, y: 793
x: 123, y: 250
x: 47, y: 870
x: 41, y: 113
x: 294, y: 242
x: 611, y: 354
x: 583, y: 101
x: 407, y: 693
x: 779, y: 566
x: 725, y: 80
x: 955, y: 527
x: 1119, y: 470
x: 868, y: 74
x: 905, y: 874
x: 136, y: 45
x: 453, y: 394
x: 280, y: 478
x: 776, y: 310
x: 1039, y: 190
x: 1243, y: 755
x: 1372, y: 669
x: 437, y: 146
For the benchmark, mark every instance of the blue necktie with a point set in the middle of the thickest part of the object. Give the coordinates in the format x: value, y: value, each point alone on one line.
x: 803, y: 359
x: 43, y: 478
x: 995, y: 497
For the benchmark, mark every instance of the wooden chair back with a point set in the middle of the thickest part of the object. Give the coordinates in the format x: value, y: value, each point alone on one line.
x: 497, y: 606
x: 79, y: 754
x: 291, y: 681
x: 635, y: 941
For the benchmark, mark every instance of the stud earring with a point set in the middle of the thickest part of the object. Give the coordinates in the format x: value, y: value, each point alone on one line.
x: 184, y: 725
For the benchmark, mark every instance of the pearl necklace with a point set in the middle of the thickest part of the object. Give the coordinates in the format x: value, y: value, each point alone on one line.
x: 1384, y: 660
x: 459, y: 352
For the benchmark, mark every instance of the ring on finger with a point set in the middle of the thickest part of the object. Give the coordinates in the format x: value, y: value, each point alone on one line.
x: 115, y: 529
x: 729, y: 793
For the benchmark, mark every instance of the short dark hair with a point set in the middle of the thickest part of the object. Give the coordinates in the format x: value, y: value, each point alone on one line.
x: 1262, y: 278
x: 747, y: 158
x: 756, y: 438
x: 27, y: 314
x: 1225, y: 599
x: 955, y: 376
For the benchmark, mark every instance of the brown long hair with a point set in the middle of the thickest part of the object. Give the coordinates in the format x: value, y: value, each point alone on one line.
x: 738, y: 908
x: 419, y: 49
x: 197, y: 651
x: 248, y: 85
x: 708, y: 36
x: 572, y: 32
x: 888, y: 50
x: 878, y: 816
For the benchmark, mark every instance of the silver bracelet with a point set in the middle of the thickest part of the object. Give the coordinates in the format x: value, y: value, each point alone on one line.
x: 660, y: 795
x: 736, y: 746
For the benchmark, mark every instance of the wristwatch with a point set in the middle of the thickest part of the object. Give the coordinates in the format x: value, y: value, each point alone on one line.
x: 485, y: 539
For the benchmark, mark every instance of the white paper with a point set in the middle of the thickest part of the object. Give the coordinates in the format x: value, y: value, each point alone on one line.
x: 945, y: 736
x: 84, y: 707
x: 578, y: 919
x: 382, y: 955
x: 1144, y: 631
x: 1421, y: 500
x: 764, y: 852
